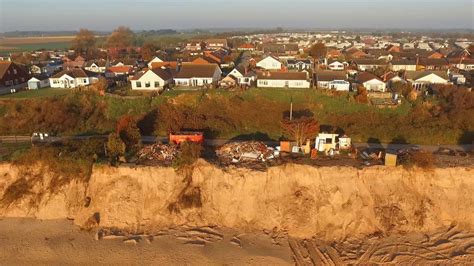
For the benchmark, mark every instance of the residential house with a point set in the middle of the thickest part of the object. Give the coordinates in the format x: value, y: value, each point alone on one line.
x: 421, y: 80
x: 403, y: 64
x: 12, y: 77
x: 457, y: 78
x: 335, y: 65
x: 79, y: 61
x: 45, y: 67
x: 243, y: 76
x: 166, y: 64
x: 118, y: 71
x: 268, y: 79
x: 155, y: 59
x: 355, y: 53
x: 246, y: 47
x: 371, y: 82
x: 392, y: 78
x: 215, y: 44
x: 228, y: 82
x: 369, y: 64
x: 73, y: 78
x: 334, y: 80
x: 38, y: 82
x: 299, y: 64
x: 198, y: 75
x: 463, y: 64
x: 125, y: 62
x: 333, y: 53
x: 270, y: 63
x: 152, y: 79
x: 195, y: 46
x: 435, y: 55
x: 433, y: 64
x: 98, y: 66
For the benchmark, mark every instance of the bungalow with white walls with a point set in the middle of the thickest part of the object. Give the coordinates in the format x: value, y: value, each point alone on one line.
x: 335, y: 65
x: 421, y: 80
x: 152, y: 79
x: 270, y: 63
x: 299, y: 64
x: 369, y: 64
x: 267, y: 79
x: 198, y: 75
x: 243, y: 76
x: 96, y: 66
x: 403, y: 64
x: 371, y: 82
x: 329, y: 79
x: 72, y: 78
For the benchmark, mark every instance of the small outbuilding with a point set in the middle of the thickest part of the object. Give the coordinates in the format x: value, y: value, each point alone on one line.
x: 38, y: 82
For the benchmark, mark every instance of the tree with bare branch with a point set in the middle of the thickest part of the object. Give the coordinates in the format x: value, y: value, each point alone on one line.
x: 300, y: 129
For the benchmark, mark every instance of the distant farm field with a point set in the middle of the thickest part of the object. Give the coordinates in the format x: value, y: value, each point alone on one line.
x: 19, y: 44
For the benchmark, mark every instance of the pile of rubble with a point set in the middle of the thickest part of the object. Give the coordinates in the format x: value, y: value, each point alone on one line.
x: 236, y: 152
x: 158, y: 154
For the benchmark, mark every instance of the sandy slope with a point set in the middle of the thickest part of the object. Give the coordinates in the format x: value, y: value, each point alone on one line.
x: 337, y: 214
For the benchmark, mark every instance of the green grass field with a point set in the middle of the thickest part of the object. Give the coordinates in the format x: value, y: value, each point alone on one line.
x: 29, y: 94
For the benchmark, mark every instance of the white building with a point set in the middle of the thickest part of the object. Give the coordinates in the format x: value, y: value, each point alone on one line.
x: 267, y: 79
x: 423, y: 79
x: 72, y: 78
x: 371, y: 82
x: 198, y: 75
x: 336, y: 65
x: 334, y: 80
x: 270, y: 63
x: 243, y: 77
x: 38, y: 82
x: 403, y: 64
x: 96, y: 66
x: 155, y: 79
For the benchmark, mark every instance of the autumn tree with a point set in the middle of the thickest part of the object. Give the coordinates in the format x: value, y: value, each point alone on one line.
x: 318, y: 50
x: 300, y: 129
x: 129, y: 133
x: 122, y: 37
x: 84, y: 42
x: 362, y: 95
x: 115, y: 148
x: 148, y: 51
x: 100, y: 86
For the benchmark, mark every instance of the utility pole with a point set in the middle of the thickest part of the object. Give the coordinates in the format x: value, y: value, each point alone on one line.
x: 291, y: 108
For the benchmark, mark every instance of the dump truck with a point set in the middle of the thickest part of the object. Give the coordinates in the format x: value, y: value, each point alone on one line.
x: 183, y: 136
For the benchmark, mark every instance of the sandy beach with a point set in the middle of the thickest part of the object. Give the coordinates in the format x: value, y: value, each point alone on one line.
x: 30, y: 241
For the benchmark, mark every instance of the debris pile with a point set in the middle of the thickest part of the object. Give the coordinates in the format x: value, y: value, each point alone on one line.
x: 158, y: 154
x: 236, y: 152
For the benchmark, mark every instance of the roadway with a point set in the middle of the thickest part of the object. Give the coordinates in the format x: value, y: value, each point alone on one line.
x: 219, y: 142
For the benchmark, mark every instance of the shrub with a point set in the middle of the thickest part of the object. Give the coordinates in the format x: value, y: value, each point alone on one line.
x: 190, y: 153
x: 115, y: 148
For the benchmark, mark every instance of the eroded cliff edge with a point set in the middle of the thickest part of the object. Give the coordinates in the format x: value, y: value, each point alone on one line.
x: 305, y: 201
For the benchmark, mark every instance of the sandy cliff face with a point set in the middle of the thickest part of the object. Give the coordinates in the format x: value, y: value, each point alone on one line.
x: 330, y: 202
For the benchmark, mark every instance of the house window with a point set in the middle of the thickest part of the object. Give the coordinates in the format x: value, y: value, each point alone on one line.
x: 14, y: 71
x: 84, y: 80
x: 328, y: 141
x: 205, y: 81
x: 139, y: 84
x: 147, y: 84
x: 157, y: 84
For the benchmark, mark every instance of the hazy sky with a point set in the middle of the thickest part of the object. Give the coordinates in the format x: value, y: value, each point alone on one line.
x: 188, y: 14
